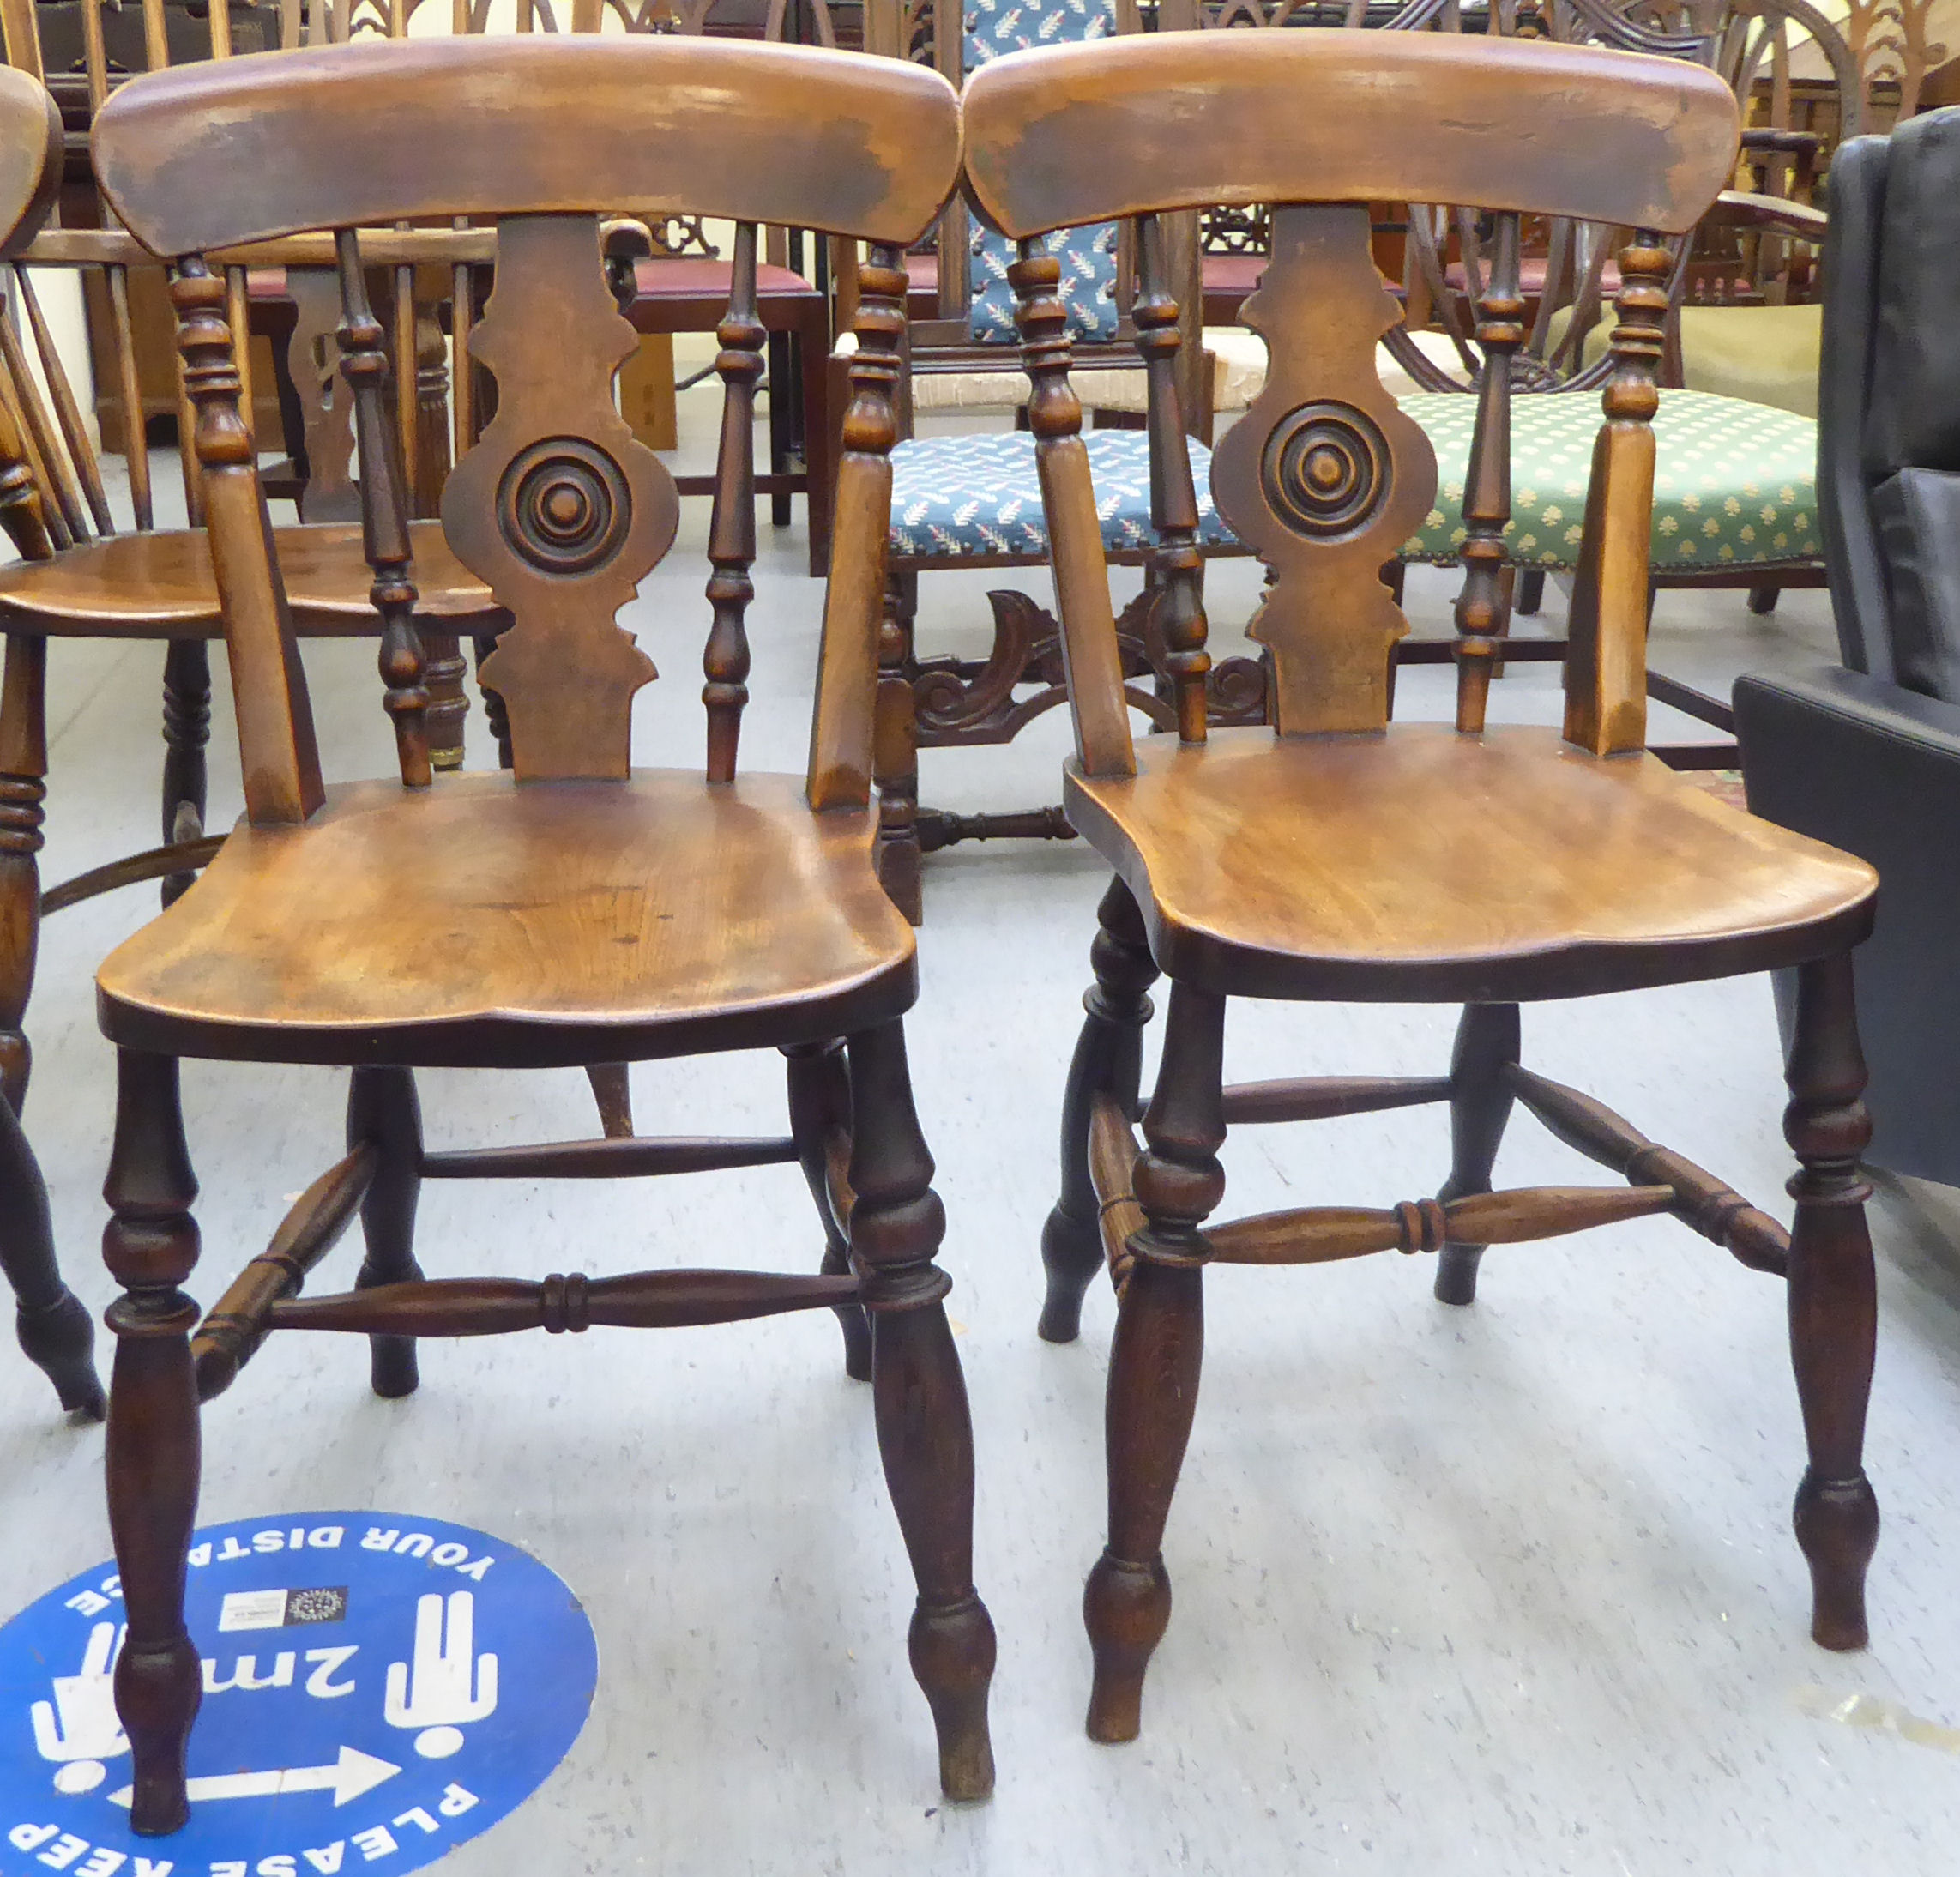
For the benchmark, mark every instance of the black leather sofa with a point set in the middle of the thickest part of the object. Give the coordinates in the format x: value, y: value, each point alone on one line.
x: 1866, y: 754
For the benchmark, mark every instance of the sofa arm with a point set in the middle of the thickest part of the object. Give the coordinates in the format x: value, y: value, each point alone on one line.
x: 1875, y: 771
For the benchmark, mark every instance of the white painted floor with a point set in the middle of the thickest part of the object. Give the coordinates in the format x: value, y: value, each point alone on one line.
x: 1507, y: 1588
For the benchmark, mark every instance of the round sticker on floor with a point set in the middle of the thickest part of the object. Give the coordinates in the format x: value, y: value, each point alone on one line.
x: 377, y: 1688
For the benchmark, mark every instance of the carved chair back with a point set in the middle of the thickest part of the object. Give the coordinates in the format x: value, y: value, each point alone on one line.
x: 556, y: 507
x: 1324, y: 477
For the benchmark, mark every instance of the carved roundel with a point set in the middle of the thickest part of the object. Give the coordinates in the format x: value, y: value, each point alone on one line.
x: 1326, y: 470
x: 564, y: 505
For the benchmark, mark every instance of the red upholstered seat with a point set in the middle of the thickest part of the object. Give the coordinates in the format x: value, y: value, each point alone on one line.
x: 694, y: 277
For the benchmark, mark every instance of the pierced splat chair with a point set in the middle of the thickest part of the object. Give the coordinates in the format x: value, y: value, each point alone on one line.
x: 1340, y: 857
x: 573, y: 909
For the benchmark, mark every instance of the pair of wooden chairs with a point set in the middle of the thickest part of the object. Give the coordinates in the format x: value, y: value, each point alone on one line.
x: 576, y: 910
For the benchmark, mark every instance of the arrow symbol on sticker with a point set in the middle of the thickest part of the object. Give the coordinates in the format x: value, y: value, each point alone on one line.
x: 348, y: 1777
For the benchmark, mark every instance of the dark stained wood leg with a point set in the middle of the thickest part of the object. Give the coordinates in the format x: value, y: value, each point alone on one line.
x: 782, y: 422
x: 612, y: 1090
x: 1833, y: 1301
x: 1156, y: 1358
x: 1480, y: 1105
x: 895, y: 751
x: 383, y: 1107
x: 1763, y: 598
x: 186, y: 731
x: 494, y: 714
x: 1531, y: 592
x: 443, y: 677
x: 820, y: 438
x: 1108, y: 1059
x: 819, y: 1107
x: 150, y: 1245
x: 56, y: 1332
x: 920, y: 1401
x: 53, y: 1327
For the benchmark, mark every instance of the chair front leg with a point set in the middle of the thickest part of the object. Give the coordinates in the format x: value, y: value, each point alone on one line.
x: 1155, y: 1357
x: 150, y: 1245
x: 920, y: 1400
x: 53, y: 1327
x: 1108, y: 1060
x: 186, y: 732
x: 1833, y: 1298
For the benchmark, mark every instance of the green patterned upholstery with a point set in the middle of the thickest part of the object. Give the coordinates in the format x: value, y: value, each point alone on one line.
x: 1734, y: 484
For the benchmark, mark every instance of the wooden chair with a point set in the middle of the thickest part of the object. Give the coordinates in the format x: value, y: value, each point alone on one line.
x: 80, y: 576
x: 1340, y: 857
x: 395, y: 926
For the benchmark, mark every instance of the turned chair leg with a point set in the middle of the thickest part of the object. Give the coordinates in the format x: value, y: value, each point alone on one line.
x: 1480, y: 1105
x: 1833, y: 1300
x: 612, y: 1094
x: 895, y: 759
x: 1154, y: 1359
x: 383, y: 1107
x: 186, y: 731
x: 150, y: 1245
x: 920, y: 1402
x: 820, y: 1113
x: 445, y: 678
x: 54, y: 1329
x: 1108, y: 1060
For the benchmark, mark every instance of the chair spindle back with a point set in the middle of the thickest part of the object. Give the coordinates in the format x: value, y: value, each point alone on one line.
x: 1324, y: 477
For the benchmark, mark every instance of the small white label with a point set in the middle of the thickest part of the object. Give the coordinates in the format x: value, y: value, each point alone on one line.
x: 252, y: 1609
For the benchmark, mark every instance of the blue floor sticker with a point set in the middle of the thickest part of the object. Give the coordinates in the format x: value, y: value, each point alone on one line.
x: 377, y: 1689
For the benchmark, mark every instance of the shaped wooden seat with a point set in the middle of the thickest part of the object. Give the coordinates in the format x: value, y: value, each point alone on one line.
x: 573, y: 910
x: 1336, y: 855
x: 1425, y: 865
x: 492, y: 921
x: 161, y: 585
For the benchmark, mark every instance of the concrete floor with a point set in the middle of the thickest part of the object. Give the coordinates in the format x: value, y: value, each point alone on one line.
x: 1509, y: 1588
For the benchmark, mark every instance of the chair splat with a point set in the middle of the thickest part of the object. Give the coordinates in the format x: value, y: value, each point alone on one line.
x: 1324, y: 476
x: 559, y: 508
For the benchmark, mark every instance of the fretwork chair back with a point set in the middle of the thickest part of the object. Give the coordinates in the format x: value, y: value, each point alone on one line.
x: 572, y: 909
x: 84, y: 573
x: 1338, y: 856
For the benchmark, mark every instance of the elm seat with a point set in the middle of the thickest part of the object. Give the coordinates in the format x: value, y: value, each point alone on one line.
x: 1424, y: 864
x: 138, y: 583
x: 289, y: 948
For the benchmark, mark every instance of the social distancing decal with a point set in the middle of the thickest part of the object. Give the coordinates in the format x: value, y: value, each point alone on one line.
x: 378, y: 1688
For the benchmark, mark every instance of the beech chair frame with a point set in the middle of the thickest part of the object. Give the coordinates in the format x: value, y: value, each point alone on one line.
x: 562, y: 512
x: 1313, y: 861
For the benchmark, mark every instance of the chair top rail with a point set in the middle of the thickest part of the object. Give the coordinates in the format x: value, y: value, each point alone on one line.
x: 30, y: 158
x: 217, y: 155
x: 1339, y: 115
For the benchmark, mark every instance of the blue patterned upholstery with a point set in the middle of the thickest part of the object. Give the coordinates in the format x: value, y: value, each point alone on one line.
x: 980, y: 495
x: 1089, y: 255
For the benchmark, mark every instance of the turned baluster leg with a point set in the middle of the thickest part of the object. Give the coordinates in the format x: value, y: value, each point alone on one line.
x: 1833, y: 1302
x: 612, y: 1094
x: 1480, y: 1105
x: 895, y: 759
x: 494, y: 712
x: 819, y: 1107
x: 920, y: 1401
x: 1108, y: 1060
x: 383, y: 1107
x: 53, y: 1327
x: 186, y: 731
x: 150, y: 1245
x: 1154, y: 1359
